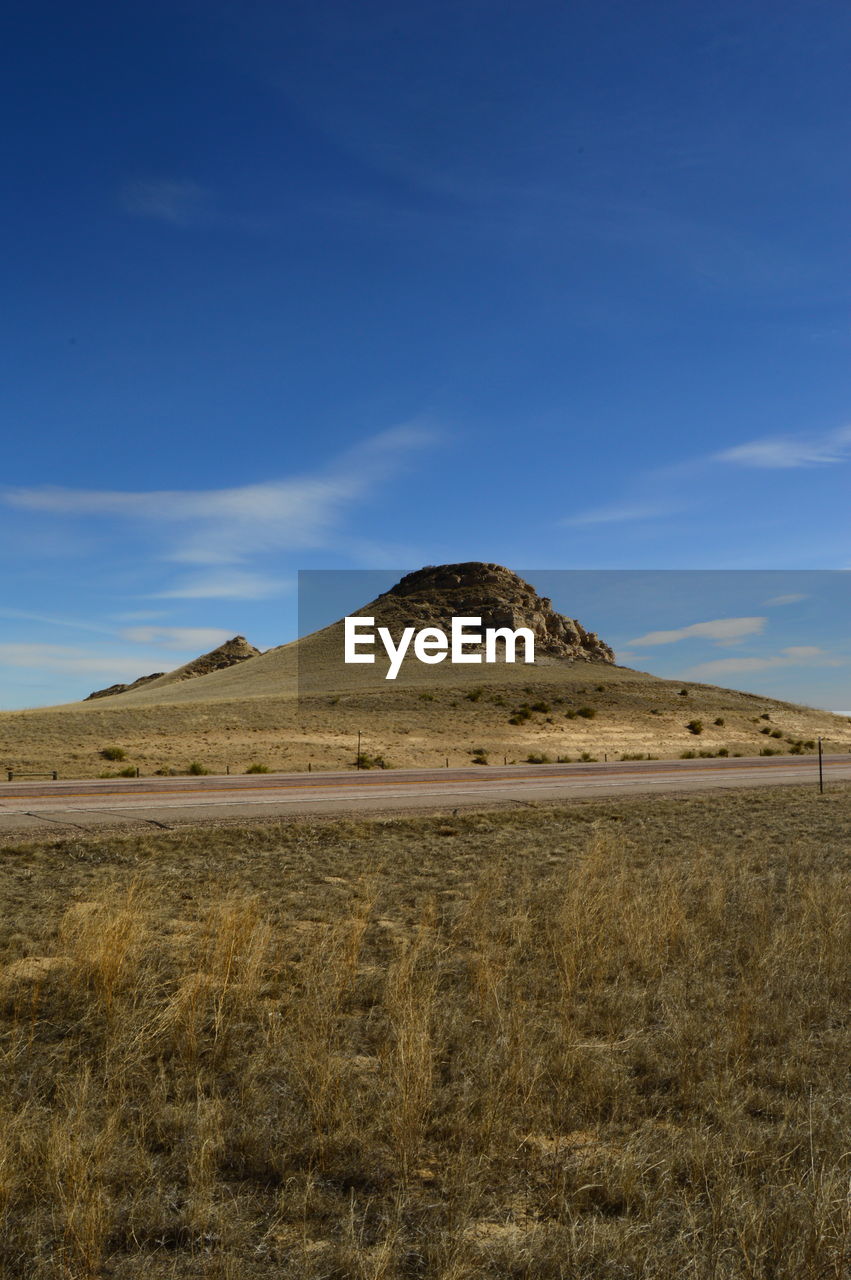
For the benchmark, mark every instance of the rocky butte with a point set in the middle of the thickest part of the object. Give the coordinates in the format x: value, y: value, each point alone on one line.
x: 433, y: 596
x: 226, y: 655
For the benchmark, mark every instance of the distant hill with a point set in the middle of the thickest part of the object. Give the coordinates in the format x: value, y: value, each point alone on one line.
x: 226, y: 655
x: 299, y: 704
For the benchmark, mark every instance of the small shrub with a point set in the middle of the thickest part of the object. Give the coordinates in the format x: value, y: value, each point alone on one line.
x: 775, y: 733
x: 587, y: 758
x: 474, y: 695
x: 765, y: 716
x: 719, y: 720
x: 366, y: 761
x: 570, y: 715
x: 695, y: 726
x: 130, y: 772
x: 770, y: 751
x: 543, y: 707
x: 257, y: 768
x: 587, y: 713
x: 538, y: 757
x: 113, y: 753
x: 688, y: 755
x: 480, y: 755
x: 683, y: 693
x: 722, y: 751
x: 601, y: 688
x: 426, y: 697
x: 766, y: 730
x: 519, y: 714
x: 197, y: 769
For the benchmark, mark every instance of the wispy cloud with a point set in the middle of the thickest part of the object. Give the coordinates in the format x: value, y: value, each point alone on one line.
x: 783, y: 452
x: 180, y: 203
x: 232, y: 584
x: 720, y: 629
x: 619, y: 513
x: 647, y: 496
x: 51, y: 620
x: 195, y: 638
x: 792, y: 598
x: 229, y: 527
x: 794, y: 656
x: 71, y: 661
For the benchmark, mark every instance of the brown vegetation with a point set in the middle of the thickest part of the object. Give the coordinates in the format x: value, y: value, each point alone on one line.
x: 601, y: 1041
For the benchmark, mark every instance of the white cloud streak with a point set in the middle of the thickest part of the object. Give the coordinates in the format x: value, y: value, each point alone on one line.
x: 232, y: 584
x: 179, y: 203
x: 783, y: 452
x: 620, y: 513
x: 794, y: 656
x: 720, y: 629
x: 792, y: 598
x: 223, y: 527
x: 71, y: 661
x: 195, y: 638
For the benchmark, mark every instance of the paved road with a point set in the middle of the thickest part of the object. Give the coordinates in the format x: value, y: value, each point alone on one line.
x: 48, y: 806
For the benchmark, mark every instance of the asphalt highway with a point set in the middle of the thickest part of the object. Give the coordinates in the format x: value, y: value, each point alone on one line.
x: 39, y: 806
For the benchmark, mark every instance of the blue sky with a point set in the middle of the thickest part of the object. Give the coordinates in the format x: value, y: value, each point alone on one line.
x: 334, y: 285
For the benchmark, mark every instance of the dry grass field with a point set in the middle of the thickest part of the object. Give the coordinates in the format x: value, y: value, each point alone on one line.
x: 555, y: 709
x: 603, y: 1042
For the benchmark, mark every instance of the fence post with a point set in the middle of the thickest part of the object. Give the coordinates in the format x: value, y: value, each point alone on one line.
x: 11, y: 775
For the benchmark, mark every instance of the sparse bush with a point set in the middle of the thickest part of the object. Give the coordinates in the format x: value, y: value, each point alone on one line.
x: 765, y: 716
x: 541, y: 706
x: 570, y: 715
x: 367, y: 761
x: 113, y: 753
x: 257, y: 768
x: 587, y: 713
x: 683, y: 693
x: 688, y: 755
x: 719, y: 720
x: 776, y: 733
x: 538, y: 757
x: 695, y: 726
x: 480, y: 755
x: 426, y: 697
x: 723, y: 751
x: 473, y: 695
x: 770, y: 751
x: 587, y: 758
x: 520, y: 714
x: 766, y: 730
x: 197, y: 769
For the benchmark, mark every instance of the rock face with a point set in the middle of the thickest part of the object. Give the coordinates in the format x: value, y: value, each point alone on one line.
x: 123, y: 688
x: 227, y: 655
x: 434, y: 595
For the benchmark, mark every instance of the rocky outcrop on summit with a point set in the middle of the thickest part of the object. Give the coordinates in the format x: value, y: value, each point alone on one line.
x: 227, y: 655
x: 434, y: 595
x: 123, y: 688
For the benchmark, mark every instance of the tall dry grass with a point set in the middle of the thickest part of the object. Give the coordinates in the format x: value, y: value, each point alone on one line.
x: 591, y: 1060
